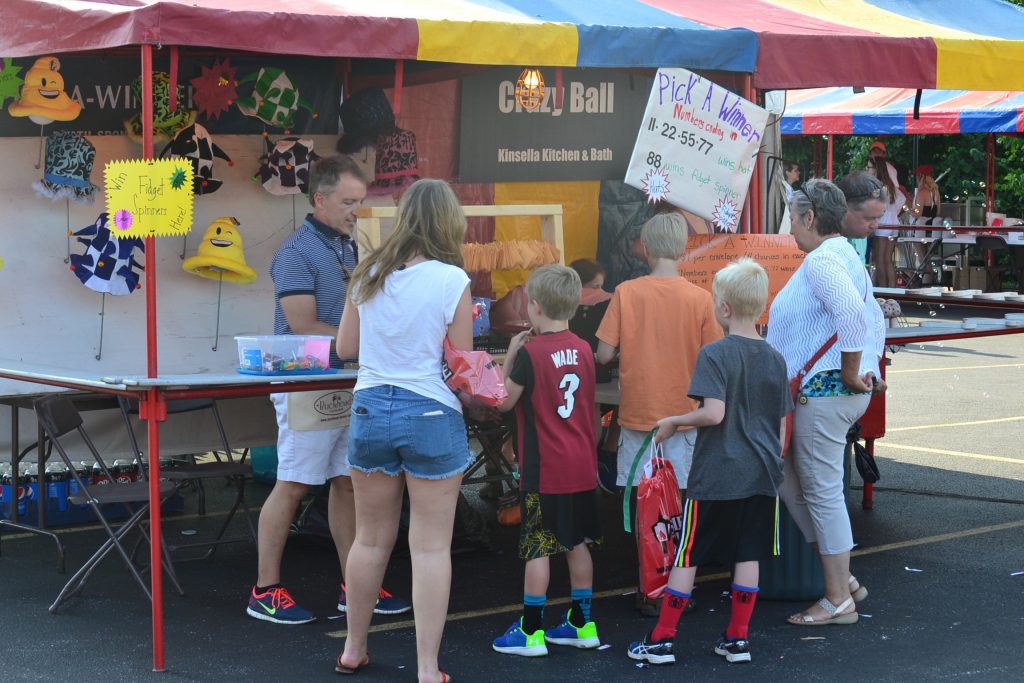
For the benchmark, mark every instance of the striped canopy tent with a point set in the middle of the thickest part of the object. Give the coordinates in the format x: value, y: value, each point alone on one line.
x: 890, y: 111
x: 783, y: 43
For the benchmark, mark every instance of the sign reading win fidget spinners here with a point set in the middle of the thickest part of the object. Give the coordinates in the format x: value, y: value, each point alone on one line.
x: 151, y: 197
x: 697, y: 147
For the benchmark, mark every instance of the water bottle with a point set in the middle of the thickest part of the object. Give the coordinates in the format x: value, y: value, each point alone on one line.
x: 5, y: 490
x: 123, y: 471
x: 56, y: 478
x: 84, y: 471
x: 28, y: 491
x: 98, y: 475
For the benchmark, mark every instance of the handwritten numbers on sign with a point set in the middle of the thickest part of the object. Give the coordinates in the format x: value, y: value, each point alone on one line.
x: 698, y: 136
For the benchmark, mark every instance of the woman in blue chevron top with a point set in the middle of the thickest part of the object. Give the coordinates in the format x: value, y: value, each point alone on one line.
x: 822, y: 324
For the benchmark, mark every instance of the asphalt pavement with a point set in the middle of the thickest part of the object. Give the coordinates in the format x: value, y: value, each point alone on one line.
x: 941, y: 554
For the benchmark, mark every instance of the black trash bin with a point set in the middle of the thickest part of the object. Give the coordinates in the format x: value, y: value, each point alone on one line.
x: 795, y: 574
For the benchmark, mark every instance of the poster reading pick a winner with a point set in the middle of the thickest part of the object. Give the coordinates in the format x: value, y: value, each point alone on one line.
x: 697, y: 147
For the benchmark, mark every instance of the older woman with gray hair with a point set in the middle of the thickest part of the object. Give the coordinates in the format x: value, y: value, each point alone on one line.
x: 822, y: 325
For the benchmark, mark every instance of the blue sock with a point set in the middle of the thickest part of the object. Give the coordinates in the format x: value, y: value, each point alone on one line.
x: 581, y: 598
x: 533, y: 612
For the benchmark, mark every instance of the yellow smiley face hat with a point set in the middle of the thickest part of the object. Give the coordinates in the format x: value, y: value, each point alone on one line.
x: 42, y: 98
x: 220, y: 255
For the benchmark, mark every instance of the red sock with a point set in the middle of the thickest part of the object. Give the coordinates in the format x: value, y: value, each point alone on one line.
x: 743, y: 599
x: 672, y: 605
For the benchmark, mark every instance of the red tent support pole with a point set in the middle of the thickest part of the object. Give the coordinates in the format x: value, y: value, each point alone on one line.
x: 399, y: 79
x: 172, y: 81
x: 990, y: 189
x: 757, y: 215
x: 746, y: 219
x: 148, y: 404
x: 828, y: 162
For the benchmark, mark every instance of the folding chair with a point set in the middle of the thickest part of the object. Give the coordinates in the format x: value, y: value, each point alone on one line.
x: 491, y: 436
x: 196, y: 472
x: 59, y: 417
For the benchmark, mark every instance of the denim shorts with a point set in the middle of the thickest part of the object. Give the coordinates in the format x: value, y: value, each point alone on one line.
x: 394, y: 430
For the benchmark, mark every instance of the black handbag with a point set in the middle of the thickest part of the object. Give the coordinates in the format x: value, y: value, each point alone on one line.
x: 864, y: 461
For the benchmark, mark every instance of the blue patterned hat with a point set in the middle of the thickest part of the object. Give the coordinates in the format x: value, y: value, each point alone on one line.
x: 69, y: 160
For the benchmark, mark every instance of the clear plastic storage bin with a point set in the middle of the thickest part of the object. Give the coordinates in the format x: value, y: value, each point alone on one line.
x: 284, y: 355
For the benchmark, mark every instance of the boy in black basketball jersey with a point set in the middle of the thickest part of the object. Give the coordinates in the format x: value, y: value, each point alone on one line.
x: 549, y: 374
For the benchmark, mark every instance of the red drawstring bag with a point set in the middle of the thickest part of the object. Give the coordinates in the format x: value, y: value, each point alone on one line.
x: 473, y: 376
x: 659, y: 518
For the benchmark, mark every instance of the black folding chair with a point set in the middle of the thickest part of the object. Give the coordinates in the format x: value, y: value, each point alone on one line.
x: 491, y: 434
x: 59, y: 417
x: 195, y: 472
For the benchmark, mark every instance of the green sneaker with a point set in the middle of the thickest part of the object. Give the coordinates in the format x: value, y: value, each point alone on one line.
x: 518, y: 642
x: 583, y: 637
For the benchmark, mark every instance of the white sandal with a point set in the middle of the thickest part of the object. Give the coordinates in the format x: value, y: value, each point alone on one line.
x: 861, y: 593
x: 833, y: 611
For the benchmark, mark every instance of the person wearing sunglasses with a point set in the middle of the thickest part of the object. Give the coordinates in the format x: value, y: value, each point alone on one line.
x: 824, y: 312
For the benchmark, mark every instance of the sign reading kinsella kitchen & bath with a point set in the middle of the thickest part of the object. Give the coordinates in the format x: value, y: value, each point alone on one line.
x: 588, y: 135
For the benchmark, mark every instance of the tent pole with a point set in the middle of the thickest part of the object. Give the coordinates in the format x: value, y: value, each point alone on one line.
x: 749, y: 203
x: 148, y: 403
x: 828, y: 161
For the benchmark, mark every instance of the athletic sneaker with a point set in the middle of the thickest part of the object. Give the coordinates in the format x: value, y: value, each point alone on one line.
x: 277, y: 605
x: 386, y: 603
x: 518, y: 642
x: 733, y: 650
x: 583, y: 637
x: 652, y: 651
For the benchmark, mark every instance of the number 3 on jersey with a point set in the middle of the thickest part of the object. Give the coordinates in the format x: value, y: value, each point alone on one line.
x: 569, y: 384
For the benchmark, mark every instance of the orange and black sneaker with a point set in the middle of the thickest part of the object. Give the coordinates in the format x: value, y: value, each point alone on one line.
x: 386, y: 603
x: 277, y: 605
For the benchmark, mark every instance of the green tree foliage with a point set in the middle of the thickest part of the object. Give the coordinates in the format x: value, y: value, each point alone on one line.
x: 962, y: 155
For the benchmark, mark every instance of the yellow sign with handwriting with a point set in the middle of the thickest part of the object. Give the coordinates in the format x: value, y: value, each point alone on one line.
x: 149, y: 197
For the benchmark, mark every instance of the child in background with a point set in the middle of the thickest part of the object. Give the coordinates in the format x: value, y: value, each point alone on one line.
x: 550, y: 382
x: 592, y: 279
x: 731, y: 509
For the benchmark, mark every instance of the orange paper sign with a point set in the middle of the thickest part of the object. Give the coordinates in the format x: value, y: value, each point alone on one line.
x: 707, y: 254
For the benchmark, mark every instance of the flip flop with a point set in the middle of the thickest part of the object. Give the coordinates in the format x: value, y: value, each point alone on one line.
x: 861, y: 593
x: 833, y: 611
x: 344, y: 669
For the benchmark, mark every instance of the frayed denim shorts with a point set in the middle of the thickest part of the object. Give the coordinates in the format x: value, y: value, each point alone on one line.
x: 394, y: 430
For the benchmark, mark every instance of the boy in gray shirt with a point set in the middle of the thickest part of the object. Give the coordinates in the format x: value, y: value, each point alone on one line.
x: 731, y: 508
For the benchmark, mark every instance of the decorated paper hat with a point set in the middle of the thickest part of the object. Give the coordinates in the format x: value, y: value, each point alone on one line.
x: 108, y: 263
x: 274, y: 98
x: 166, y: 123
x: 285, y: 166
x: 43, y: 99
x: 69, y: 160
x: 220, y: 255
x: 397, y: 166
x: 365, y: 116
x: 195, y: 144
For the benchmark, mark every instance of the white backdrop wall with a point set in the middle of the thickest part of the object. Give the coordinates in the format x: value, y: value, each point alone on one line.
x: 50, y: 318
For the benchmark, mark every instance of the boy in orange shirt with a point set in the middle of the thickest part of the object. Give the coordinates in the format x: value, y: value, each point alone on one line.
x: 656, y: 325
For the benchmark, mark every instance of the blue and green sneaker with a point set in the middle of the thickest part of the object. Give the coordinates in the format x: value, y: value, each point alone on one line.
x: 517, y: 642
x: 583, y: 637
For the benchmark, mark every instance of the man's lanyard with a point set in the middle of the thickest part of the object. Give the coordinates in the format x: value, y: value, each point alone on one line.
x: 346, y: 272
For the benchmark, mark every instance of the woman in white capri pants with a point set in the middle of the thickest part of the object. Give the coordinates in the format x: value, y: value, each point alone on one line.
x: 830, y: 294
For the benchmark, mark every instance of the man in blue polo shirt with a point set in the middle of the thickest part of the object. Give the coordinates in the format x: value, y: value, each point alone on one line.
x: 311, y: 271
